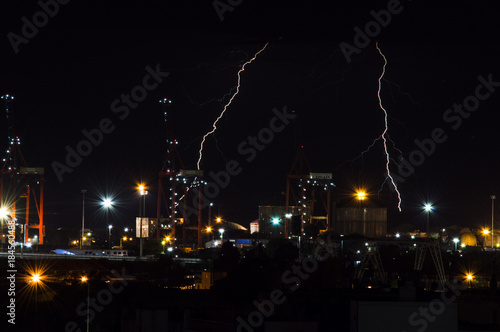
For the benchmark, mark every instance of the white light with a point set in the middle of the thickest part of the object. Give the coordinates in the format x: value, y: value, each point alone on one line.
x: 428, y: 207
x: 456, y: 240
x: 107, y: 203
x: 4, y: 213
x: 398, y: 235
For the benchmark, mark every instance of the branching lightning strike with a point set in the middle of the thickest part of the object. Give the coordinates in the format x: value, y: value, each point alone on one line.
x: 388, y: 159
x: 214, y: 125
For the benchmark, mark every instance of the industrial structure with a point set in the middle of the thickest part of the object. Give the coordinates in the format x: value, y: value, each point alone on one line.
x: 304, y: 189
x: 19, y: 182
x: 176, y: 186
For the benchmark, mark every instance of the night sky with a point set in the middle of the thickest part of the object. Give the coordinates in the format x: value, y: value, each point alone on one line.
x: 66, y: 77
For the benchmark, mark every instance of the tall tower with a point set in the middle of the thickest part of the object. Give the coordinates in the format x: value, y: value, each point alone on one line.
x: 17, y: 180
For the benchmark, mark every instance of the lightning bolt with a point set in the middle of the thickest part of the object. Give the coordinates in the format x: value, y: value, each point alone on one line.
x: 214, y: 125
x: 384, y: 139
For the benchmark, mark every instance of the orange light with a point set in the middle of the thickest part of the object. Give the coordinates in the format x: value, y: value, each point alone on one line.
x: 361, y: 195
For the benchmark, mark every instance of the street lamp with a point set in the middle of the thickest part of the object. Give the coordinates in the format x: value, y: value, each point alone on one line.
x: 493, y: 197
x: 428, y: 208
x: 4, y: 213
x: 361, y: 195
x: 85, y: 280
x: 83, y: 191
x: 456, y: 241
x: 210, y: 214
x: 107, y: 203
x: 221, y: 231
x: 142, y: 207
x: 109, y: 235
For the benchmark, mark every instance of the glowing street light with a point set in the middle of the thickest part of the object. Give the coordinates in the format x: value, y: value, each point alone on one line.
x: 85, y: 280
x: 4, y: 213
x: 361, y: 195
x: 469, y: 277
x: 455, y: 240
x: 107, y: 203
x: 428, y: 208
x: 275, y: 221
x: 83, y: 191
x: 36, y: 278
x: 141, y: 188
x: 142, y: 211
x: 221, y: 231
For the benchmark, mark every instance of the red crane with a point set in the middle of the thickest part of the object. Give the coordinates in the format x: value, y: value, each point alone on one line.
x: 18, y: 181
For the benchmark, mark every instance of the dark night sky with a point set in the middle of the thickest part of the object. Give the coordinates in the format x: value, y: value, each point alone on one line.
x: 66, y: 77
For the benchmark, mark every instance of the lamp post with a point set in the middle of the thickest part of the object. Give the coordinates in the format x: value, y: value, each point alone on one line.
x: 109, y: 235
x: 142, y: 208
x: 83, y: 191
x: 221, y: 231
x: 456, y: 241
x: 428, y: 208
x: 84, y: 280
x: 210, y: 214
x: 107, y: 203
x: 493, y: 197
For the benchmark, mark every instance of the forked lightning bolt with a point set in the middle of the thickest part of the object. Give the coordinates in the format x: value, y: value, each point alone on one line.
x: 388, y: 159
x: 214, y: 126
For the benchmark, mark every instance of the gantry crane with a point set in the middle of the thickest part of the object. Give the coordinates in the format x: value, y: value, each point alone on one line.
x: 181, y: 184
x: 308, y: 189
x: 18, y: 181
